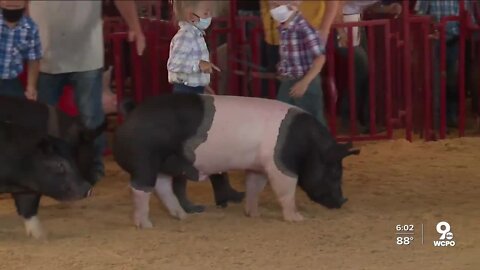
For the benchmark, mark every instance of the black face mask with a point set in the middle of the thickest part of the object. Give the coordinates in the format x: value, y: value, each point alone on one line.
x: 12, y: 15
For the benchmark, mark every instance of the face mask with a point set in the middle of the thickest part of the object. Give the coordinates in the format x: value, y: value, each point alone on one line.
x: 12, y: 15
x: 281, y: 13
x: 203, y: 24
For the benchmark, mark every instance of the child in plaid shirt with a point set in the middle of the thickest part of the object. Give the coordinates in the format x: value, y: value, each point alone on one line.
x: 302, y: 56
x: 189, y: 70
x: 189, y: 66
x: 19, y: 41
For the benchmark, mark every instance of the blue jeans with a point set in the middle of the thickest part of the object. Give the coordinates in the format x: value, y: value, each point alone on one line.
x: 312, y: 100
x: 362, y: 92
x: 87, y: 88
x: 11, y: 88
x: 181, y: 88
x: 451, y: 80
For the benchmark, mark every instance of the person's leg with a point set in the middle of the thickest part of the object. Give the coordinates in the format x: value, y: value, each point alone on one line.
x: 344, y: 102
x: 12, y: 88
x: 436, y: 84
x: 312, y: 101
x: 362, y: 86
x: 87, y: 86
x: 223, y: 191
x: 284, y: 91
x: 452, y: 79
x: 50, y: 87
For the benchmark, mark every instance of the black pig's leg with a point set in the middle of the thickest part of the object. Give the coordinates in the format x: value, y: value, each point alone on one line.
x: 27, y: 208
x: 179, y: 185
x: 223, y: 191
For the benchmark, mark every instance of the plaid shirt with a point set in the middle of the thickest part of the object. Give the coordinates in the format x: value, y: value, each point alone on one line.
x: 16, y: 45
x: 300, y: 44
x: 442, y: 8
x: 187, y: 48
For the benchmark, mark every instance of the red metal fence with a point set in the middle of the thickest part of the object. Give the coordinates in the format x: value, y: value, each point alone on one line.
x: 401, y: 85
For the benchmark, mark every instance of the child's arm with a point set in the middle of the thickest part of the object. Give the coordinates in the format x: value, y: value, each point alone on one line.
x: 299, y: 89
x: 33, y: 61
x: 128, y: 10
x: 314, y: 45
x: 33, y: 70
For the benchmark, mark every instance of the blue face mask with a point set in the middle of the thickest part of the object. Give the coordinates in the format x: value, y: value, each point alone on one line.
x: 203, y: 24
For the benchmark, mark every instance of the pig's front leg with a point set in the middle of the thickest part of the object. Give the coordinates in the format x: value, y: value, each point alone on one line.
x: 255, y: 183
x: 180, y: 190
x: 27, y: 207
x: 164, y: 191
x: 141, y: 200
x: 284, y: 188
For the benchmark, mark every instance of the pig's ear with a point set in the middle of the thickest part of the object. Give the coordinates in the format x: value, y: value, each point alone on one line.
x: 337, y: 152
x: 91, y: 134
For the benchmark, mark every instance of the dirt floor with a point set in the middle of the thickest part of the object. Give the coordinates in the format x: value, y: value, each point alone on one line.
x: 390, y: 183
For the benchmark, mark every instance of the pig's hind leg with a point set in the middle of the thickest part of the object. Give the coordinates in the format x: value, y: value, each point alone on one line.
x: 141, y: 201
x: 164, y: 191
x: 142, y: 182
x: 255, y: 183
x: 27, y: 208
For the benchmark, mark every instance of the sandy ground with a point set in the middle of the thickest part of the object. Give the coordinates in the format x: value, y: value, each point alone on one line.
x: 390, y: 183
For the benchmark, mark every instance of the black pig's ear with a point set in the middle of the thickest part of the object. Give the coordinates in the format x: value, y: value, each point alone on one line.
x: 337, y: 152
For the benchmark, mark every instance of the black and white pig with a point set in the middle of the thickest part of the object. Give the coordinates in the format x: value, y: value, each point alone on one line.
x: 198, y: 135
x: 32, y: 165
x: 49, y: 120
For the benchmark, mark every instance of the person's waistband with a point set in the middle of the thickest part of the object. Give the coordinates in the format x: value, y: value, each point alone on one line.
x: 9, y: 80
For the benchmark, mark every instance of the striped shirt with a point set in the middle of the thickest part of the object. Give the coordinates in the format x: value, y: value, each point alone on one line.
x: 187, y: 48
x: 17, y: 44
x: 300, y: 45
x: 443, y: 8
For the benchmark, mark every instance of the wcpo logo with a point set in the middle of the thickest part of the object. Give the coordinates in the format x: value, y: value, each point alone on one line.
x: 446, y: 236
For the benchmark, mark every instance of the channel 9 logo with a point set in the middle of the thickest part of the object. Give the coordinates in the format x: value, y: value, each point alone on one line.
x: 446, y: 236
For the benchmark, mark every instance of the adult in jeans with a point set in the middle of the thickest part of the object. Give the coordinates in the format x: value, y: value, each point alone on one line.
x: 439, y: 9
x: 351, y: 11
x: 72, y: 37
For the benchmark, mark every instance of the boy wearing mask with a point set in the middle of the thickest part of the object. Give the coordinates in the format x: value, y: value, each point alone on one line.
x: 302, y: 57
x: 19, y: 41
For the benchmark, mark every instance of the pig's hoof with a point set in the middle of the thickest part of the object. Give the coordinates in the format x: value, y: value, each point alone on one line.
x: 180, y: 214
x: 191, y: 208
x: 294, y: 217
x: 143, y: 224
x: 252, y: 213
x: 34, y: 229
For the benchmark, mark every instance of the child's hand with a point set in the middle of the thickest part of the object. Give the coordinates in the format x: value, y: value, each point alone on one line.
x: 31, y: 93
x: 299, y: 89
x: 209, y: 90
x: 207, y: 67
